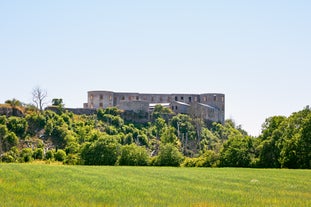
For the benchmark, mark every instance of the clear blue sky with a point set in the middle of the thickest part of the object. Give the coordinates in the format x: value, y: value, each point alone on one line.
x: 258, y: 53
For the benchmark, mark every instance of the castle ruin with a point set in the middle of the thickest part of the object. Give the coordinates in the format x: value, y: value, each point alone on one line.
x: 209, y: 106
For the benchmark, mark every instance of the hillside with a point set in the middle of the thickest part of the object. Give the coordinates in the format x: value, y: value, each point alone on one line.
x: 168, y: 139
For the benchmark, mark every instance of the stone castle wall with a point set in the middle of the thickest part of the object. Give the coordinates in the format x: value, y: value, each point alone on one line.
x: 213, y: 103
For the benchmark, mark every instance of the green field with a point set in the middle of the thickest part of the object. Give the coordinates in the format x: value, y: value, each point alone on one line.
x: 59, y: 185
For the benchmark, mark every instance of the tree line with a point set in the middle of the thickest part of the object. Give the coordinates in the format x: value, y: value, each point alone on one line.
x: 167, y: 140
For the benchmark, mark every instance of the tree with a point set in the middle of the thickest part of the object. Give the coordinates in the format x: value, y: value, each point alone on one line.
x: 169, y: 155
x: 198, y: 115
x: 9, y: 141
x: 3, y: 133
x: 160, y: 125
x: 13, y: 103
x: 133, y: 155
x: 270, y: 142
x: 38, y: 154
x: 16, y: 106
x: 237, y: 152
x: 57, y: 102
x: 103, y: 151
x: 169, y: 136
x: 38, y: 97
x: 26, y: 155
x: 161, y: 111
x: 17, y: 125
x: 60, y: 155
x: 296, y: 145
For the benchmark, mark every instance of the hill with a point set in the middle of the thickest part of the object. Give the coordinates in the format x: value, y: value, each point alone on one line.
x: 168, y: 139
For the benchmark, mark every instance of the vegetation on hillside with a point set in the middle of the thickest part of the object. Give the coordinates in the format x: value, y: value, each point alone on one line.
x: 167, y: 140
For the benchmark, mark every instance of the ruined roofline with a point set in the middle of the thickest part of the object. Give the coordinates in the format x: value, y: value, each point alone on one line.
x: 171, y: 94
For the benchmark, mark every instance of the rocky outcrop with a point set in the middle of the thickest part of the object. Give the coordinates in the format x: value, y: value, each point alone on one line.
x: 10, y: 111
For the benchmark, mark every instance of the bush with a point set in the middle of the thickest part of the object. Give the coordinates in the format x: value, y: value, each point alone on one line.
x: 101, y: 152
x: 72, y: 159
x: 26, y: 155
x: 169, y: 156
x: 60, y: 155
x: 133, y: 155
x: 17, y: 125
x: 49, y: 155
x: 190, y: 162
x: 6, y: 157
x: 38, y: 154
x: 9, y: 141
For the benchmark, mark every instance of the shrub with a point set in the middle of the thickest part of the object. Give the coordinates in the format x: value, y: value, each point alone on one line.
x: 38, y: 154
x: 17, y: 125
x: 72, y: 159
x: 133, y: 155
x: 169, y: 156
x: 49, y: 155
x: 101, y: 152
x: 26, y: 155
x: 60, y: 155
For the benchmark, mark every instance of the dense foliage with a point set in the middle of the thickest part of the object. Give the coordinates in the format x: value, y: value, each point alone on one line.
x: 167, y: 140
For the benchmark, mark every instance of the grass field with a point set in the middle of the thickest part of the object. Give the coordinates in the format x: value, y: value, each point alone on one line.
x: 59, y: 185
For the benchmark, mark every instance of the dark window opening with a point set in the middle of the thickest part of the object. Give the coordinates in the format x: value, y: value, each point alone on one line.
x: 190, y: 100
x: 176, y: 98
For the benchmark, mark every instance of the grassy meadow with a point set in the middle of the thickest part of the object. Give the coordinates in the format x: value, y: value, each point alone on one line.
x: 59, y: 185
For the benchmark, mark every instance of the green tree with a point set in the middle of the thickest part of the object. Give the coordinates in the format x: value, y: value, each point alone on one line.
x: 17, y: 125
x: 38, y: 154
x: 49, y: 155
x: 184, y: 127
x: 36, y: 122
x: 58, y: 102
x: 160, y: 124
x: 237, y: 152
x: 103, y: 151
x: 60, y: 155
x: 169, y: 155
x: 26, y: 155
x: 296, y: 146
x: 3, y: 133
x: 169, y: 136
x: 270, y: 142
x: 9, y: 141
x: 161, y: 112
x: 133, y: 155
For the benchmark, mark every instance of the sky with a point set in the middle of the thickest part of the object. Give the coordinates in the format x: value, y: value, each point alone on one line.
x: 258, y: 53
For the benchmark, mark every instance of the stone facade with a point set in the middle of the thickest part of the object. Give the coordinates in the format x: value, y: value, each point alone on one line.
x: 211, y: 105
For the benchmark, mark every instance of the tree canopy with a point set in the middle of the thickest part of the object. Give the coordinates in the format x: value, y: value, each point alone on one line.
x: 167, y: 140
